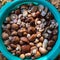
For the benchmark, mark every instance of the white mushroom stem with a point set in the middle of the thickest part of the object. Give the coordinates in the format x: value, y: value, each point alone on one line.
x: 45, y: 42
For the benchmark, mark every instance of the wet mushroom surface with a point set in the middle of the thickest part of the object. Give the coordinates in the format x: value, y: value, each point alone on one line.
x: 30, y: 31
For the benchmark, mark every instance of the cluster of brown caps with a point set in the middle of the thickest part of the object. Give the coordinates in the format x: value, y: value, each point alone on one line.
x: 30, y: 31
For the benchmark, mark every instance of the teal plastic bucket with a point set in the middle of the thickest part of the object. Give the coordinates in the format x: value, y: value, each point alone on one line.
x: 5, y: 10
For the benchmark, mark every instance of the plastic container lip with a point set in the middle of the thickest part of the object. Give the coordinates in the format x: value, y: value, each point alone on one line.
x: 53, y: 53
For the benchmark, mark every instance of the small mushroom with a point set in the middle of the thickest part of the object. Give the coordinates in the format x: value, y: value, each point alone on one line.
x: 31, y: 44
x: 14, y: 33
x: 25, y: 13
x: 18, y: 52
x: 8, y: 19
x: 28, y: 35
x: 33, y: 52
x: 41, y: 39
x: 38, y: 34
x: 45, y: 43
x: 22, y: 56
x: 42, y: 50
x: 19, y: 22
x: 28, y: 54
x: 49, y: 48
x: 9, y: 48
x: 51, y: 43
x: 17, y: 11
x: 7, y: 42
x: 43, y: 13
x: 33, y: 14
x: 32, y: 37
x: 36, y: 40
x: 18, y: 48
x: 24, y: 39
x: 39, y: 44
x: 8, y: 26
x: 39, y: 22
x: 13, y: 45
x: 34, y: 8
x: 25, y: 48
x: 31, y: 30
x: 38, y: 54
x: 14, y: 26
x: 41, y: 7
x: 5, y: 36
x: 15, y: 39
x: 13, y: 17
